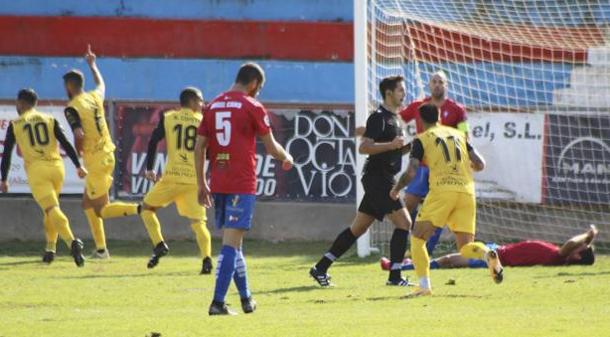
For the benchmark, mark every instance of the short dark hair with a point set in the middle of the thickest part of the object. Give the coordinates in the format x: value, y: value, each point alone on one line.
x: 389, y: 83
x: 74, y: 76
x: 249, y: 72
x: 188, y: 94
x: 28, y: 95
x: 587, y: 257
x: 428, y: 113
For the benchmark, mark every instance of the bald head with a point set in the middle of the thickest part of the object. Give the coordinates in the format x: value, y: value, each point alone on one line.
x: 438, y: 85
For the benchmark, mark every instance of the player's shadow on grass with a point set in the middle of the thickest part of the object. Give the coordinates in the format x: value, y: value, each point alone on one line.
x: 286, y: 290
x: 585, y: 273
x: 19, y: 263
x: 114, y: 276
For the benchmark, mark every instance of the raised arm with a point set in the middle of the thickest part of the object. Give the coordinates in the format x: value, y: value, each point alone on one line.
x: 578, y: 241
x: 100, y: 86
x: 5, y: 166
x: 157, y: 135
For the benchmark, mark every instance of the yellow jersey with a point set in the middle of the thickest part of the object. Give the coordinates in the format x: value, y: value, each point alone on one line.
x: 35, y: 136
x: 446, y: 154
x: 180, y: 136
x: 90, y: 109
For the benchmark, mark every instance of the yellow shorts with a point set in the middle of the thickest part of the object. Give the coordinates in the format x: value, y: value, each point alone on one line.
x: 45, y: 183
x: 454, y: 209
x: 184, y: 195
x: 101, y: 168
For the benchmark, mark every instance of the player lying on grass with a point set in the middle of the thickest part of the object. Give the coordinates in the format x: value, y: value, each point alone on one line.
x: 37, y: 135
x: 178, y: 184
x: 451, y: 160
x: 85, y: 114
x: 577, y: 250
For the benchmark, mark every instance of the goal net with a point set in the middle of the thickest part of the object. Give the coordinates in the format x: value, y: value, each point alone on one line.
x: 534, y: 77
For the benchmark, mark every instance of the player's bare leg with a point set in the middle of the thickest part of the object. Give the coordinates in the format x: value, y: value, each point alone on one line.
x: 422, y: 231
x: 411, y: 203
x: 398, y: 245
x: 342, y: 243
x: 477, y: 250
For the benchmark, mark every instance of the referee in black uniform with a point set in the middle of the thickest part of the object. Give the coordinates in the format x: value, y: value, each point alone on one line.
x: 383, y: 142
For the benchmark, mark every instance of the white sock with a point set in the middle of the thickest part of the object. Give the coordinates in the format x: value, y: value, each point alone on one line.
x: 424, y: 282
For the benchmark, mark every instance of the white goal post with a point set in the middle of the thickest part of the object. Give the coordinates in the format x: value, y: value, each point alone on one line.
x: 534, y: 77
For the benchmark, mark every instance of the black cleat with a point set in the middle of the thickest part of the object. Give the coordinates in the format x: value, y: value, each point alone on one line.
x: 206, y: 267
x: 48, y: 257
x: 77, y: 252
x: 401, y: 282
x: 219, y: 309
x: 158, y: 252
x: 248, y: 305
x: 323, y: 279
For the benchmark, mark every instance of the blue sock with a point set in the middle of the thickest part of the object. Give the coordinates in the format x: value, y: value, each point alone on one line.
x: 473, y: 263
x: 434, y: 265
x: 224, y: 273
x: 433, y: 240
x: 241, y: 276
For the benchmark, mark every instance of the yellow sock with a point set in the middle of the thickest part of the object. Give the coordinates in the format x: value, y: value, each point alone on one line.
x: 474, y: 250
x: 153, y: 226
x: 60, y: 221
x: 421, y: 260
x: 204, y: 240
x: 50, y: 234
x: 117, y: 209
x: 97, y: 228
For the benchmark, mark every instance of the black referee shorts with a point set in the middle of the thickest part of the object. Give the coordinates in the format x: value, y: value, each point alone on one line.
x: 376, y: 201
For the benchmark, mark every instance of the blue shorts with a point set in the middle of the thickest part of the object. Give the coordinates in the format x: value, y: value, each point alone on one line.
x: 419, y: 185
x: 234, y: 210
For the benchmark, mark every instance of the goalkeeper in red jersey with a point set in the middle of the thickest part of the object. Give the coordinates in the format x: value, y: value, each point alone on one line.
x: 577, y: 250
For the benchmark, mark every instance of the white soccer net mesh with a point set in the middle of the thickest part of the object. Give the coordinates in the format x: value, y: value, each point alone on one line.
x: 535, y: 79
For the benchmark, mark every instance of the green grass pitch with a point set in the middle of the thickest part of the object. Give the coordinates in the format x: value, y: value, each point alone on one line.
x: 121, y: 297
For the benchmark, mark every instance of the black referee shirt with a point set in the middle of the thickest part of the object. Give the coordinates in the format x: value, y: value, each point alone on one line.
x: 382, y: 127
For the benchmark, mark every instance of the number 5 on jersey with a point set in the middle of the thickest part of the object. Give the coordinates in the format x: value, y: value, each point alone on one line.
x: 223, y: 128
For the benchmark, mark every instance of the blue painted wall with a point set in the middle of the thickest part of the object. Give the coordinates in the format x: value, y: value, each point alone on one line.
x: 289, y: 10
x: 162, y: 79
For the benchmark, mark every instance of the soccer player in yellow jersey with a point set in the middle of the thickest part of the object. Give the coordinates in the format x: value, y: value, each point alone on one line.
x: 178, y: 183
x: 37, y: 135
x: 451, y: 199
x: 86, y: 116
